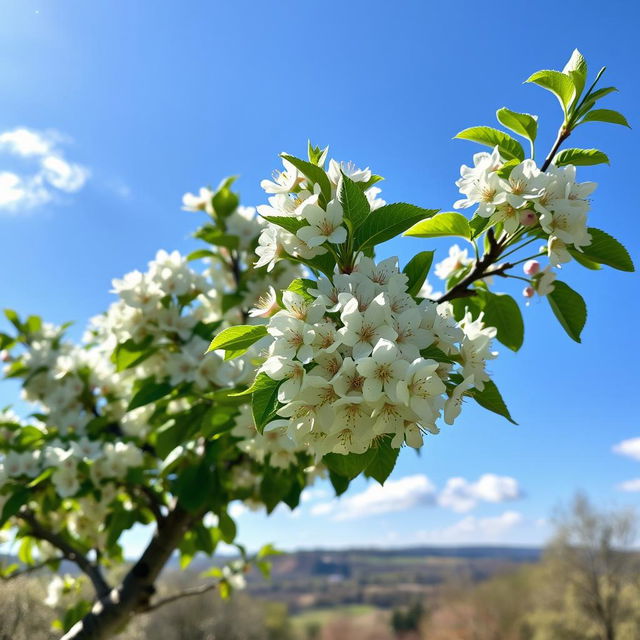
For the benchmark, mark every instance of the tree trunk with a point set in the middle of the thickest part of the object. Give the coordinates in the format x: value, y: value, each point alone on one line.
x: 111, y: 613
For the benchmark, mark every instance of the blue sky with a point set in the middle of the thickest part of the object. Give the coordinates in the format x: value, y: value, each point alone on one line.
x: 155, y: 99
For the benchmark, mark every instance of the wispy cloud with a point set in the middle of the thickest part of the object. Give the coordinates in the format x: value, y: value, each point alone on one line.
x: 396, y: 495
x: 473, y: 529
x: 461, y: 495
x: 52, y: 174
x: 630, y: 486
x: 629, y: 448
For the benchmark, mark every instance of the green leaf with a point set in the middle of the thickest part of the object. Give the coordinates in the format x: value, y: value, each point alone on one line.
x: 314, y: 173
x: 605, y: 249
x: 13, y: 318
x: 444, y: 224
x: 301, y: 286
x: 316, y: 154
x: 349, y: 465
x: 417, y: 270
x: 289, y: 223
x: 523, y: 124
x: 502, y: 312
x: 560, y: 84
x: 275, y: 485
x: 193, y: 486
x: 14, y: 503
x: 354, y: 203
x: 585, y: 262
x: 382, y: 465
x: 491, y: 399
x: 388, y: 222
x: 478, y: 224
x: 340, y: 483
x: 217, y: 237
x: 605, y: 115
x: 238, y: 338
x: 569, y: 307
x: 199, y: 254
x: 264, y: 400
x: 227, y: 527
x: 225, y: 201
x: 168, y: 437
x: 130, y: 353
x: 576, y: 69
x: 580, y: 157
x: 149, y: 391
x: 509, y: 147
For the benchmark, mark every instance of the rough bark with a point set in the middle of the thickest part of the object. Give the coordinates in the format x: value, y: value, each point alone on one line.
x: 113, y: 611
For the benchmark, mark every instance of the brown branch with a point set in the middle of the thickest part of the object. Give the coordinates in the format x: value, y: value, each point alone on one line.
x: 71, y: 553
x: 563, y: 134
x: 187, y: 593
x: 113, y: 611
x: 30, y: 569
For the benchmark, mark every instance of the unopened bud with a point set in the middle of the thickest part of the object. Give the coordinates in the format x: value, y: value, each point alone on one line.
x: 5, y: 356
x: 528, y: 218
x: 528, y: 292
x: 531, y: 267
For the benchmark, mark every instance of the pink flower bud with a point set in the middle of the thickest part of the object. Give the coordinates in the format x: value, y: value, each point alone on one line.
x: 528, y: 292
x: 5, y: 356
x: 528, y: 218
x: 531, y: 267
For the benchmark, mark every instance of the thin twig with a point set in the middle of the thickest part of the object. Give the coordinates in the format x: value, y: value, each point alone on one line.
x: 30, y: 569
x: 187, y: 593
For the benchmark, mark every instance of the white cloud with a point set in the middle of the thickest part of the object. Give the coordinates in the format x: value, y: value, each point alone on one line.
x: 473, y: 529
x: 52, y: 174
x: 629, y: 448
x: 631, y: 486
x: 396, y: 495
x: 461, y: 495
x: 309, y: 494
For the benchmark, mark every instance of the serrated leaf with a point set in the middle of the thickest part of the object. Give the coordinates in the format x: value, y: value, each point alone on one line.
x: 503, y: 312
x: 490, y: 398
x: 314, y: 173
x: 449, y: 223
x: 606, y: 115
x: 289, y: 223
x: 524, y: 124
x: 605, y: 249
x: 580, y: 157
x: 354, y: 203
x: 417, y: 270
x: 560, y: 84
x: 238, y: 338
x: 389, y: 221
x: 509, y: 147
x: 569, y: 307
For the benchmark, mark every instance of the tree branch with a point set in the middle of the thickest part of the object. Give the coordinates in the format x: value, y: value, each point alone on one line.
x: 114, y: 610
x: 30, y: 569
x: 187, y: 593
x: 38, y: 530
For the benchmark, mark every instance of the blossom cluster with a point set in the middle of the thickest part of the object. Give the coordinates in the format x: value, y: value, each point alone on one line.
x: 353, y: 360
x: 527, y: 197
x: 294, y: 196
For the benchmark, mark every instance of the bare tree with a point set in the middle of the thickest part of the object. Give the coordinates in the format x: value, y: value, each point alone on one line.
x: 592, y: 550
